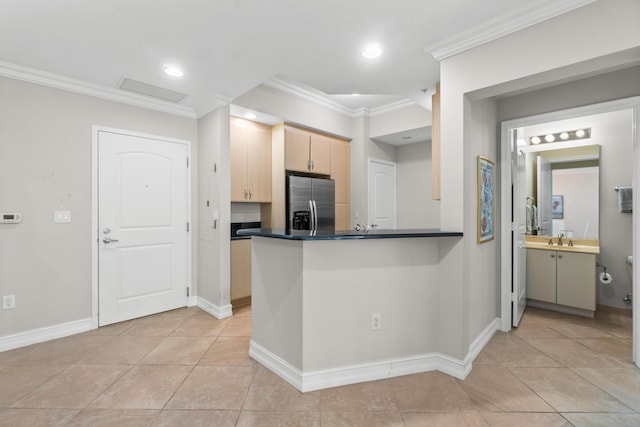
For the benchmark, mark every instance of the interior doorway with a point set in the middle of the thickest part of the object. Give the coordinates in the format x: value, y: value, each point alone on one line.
x: 382, y: 194
x: 511, y: 197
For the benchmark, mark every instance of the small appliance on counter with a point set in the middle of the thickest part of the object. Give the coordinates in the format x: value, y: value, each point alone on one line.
x: 311, y: 203
x: 235, y: 226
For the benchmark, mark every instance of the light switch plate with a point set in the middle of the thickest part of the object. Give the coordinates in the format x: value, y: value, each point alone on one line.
x: 61, y: 216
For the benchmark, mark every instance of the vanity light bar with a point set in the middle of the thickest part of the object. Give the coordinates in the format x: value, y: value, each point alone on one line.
x: 571, y: 135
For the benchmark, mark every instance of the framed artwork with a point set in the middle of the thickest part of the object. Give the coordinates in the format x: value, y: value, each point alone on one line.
x: 485, y: 199
x: 557, y: 207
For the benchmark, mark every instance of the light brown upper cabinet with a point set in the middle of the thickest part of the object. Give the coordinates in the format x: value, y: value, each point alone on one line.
x: 340, y: 166
x: 293, y: 148
x: 435, y: 143
x: 250, y: 161
x: 307, y: 151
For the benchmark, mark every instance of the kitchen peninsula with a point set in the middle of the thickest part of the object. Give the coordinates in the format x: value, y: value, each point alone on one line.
x: 335, y: 308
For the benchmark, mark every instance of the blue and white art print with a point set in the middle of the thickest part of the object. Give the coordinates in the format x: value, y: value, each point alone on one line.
x: 485, y: 199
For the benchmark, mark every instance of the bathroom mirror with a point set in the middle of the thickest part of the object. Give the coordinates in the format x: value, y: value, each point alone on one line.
x: 563, y: 185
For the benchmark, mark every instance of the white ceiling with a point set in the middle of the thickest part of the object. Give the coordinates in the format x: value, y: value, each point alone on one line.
x: 227, y: 47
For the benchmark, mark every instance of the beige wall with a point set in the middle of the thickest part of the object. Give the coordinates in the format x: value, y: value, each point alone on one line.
x: 45, y: 164
x: 400, y: 120
x: 415, y: 208
x: 215, y: 183
x: 589, y: 39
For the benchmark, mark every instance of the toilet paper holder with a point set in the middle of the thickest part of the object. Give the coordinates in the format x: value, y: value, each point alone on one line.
x: 605, y: 278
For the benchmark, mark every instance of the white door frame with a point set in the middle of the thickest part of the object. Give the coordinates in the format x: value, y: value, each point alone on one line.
x: 94, y: 210
x: 505, y: 195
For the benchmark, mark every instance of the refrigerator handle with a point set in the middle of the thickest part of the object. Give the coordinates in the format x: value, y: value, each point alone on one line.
x: 311, y: 216
x: 315, y: 216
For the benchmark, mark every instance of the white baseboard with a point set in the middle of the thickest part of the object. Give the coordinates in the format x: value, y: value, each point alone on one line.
x: 481, y: 340
x: 217, y: 312
x: 45, y: 334
x: 328, y: 378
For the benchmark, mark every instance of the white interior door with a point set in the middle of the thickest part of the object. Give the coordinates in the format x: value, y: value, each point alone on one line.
x: 382, y: 194
x: 519, y: 230
x: 544, y: 196
x: 143, y: 189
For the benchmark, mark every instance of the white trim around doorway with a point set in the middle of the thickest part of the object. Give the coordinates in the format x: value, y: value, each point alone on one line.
x: 506, y: 269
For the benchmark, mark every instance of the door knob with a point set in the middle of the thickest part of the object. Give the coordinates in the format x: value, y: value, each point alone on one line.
x: 109, y: 240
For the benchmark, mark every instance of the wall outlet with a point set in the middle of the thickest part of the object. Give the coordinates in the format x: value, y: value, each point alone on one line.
x: 8, y: 302
x: 376, y: 321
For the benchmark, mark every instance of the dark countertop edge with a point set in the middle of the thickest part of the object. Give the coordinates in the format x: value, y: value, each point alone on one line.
x: 349, y: 234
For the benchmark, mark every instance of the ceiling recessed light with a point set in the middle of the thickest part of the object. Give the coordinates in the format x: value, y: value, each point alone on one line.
x: 564, y: 136
x: 372, y: 50
x: 536, y: 140
x: 173, y: 71
x: 550, y: 138
x: 250, y: 116
x: 580, y: 133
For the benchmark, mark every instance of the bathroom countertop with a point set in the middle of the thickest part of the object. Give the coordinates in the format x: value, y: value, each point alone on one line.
x: 579, y: 245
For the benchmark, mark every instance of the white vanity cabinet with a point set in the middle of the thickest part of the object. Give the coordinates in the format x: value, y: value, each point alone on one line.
x: 562, y: 277
x: 576, y: 280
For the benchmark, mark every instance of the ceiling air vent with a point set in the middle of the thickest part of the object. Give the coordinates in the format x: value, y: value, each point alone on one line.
x: 150, y: 90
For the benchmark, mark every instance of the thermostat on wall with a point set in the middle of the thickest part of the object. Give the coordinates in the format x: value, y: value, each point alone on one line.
x: 10, y: 218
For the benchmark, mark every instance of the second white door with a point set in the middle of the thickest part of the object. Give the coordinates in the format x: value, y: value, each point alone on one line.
x: 382, y: 194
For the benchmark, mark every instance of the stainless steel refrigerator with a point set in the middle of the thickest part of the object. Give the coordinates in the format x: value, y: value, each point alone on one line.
x: 311, y: 203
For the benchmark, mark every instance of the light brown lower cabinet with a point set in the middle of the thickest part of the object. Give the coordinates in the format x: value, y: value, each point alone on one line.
x: 240, y: 269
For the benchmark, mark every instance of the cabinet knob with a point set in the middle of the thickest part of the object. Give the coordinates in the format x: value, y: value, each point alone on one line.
x: 559, y: 256
x: 553, y: 255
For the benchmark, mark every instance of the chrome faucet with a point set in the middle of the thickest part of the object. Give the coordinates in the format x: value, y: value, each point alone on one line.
x: 560, y: 236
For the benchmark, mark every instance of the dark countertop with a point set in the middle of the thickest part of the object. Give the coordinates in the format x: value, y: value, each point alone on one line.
x: 280, y: 233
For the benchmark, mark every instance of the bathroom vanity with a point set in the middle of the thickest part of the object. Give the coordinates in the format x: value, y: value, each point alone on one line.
x: 562, y: 277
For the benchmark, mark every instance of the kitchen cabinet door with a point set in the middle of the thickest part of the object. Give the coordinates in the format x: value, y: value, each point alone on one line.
x: 238, y: 155
x: 259, y: 164
x: 320, y: 154
x: 296, y: 149
x: 240, y: 269
x: 307, y: 151
x: 435, y: 144
x: 541, y: 275
x: 340, y: 167
x: 576, y: 275
x: 250, y: 154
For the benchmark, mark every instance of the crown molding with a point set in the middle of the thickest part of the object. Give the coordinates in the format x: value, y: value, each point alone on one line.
x: 501, y: 26
x: 310, y: 96
x: 44, y: 78
x: 317, y: 99
x: 213, y: 104
x: 394, y: 106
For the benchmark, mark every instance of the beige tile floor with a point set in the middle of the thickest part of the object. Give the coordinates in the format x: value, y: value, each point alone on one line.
x: 186, y: 368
